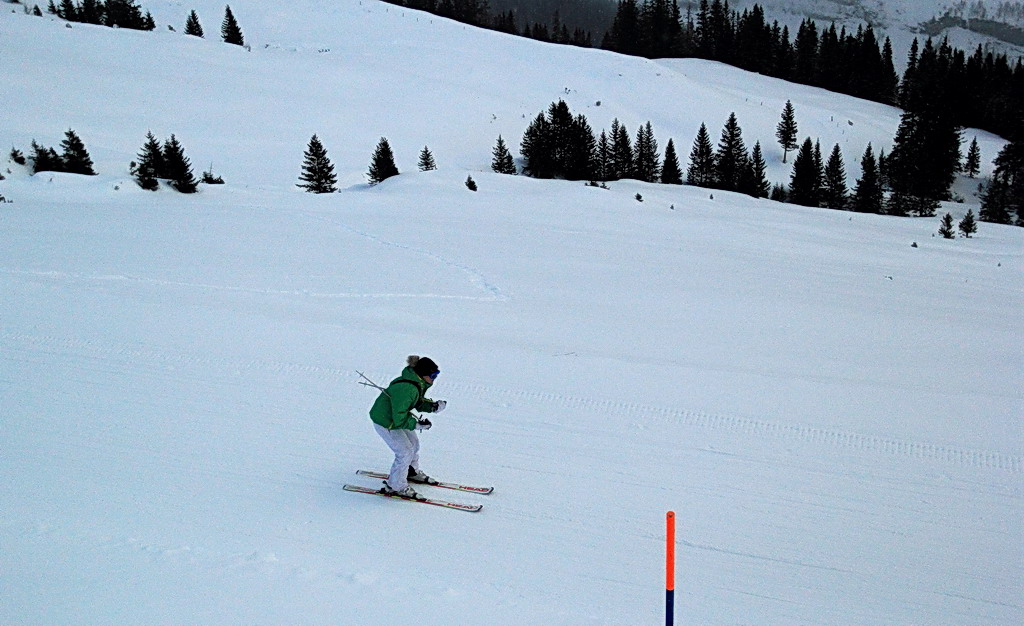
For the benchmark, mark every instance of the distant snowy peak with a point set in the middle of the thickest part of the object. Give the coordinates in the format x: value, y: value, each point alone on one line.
x: 996, y: 25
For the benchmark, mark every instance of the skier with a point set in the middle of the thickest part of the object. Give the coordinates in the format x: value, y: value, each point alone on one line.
x: 394, y: 421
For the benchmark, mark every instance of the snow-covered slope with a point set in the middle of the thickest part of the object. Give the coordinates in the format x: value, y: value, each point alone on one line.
x: 833, y: 414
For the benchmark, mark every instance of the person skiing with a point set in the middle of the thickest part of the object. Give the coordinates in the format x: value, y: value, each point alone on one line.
x: 394, y: 421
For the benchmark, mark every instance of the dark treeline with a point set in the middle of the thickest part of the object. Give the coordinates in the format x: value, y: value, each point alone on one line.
x: 981, y: 90
x: 120, y: 13
x: 478, y: 13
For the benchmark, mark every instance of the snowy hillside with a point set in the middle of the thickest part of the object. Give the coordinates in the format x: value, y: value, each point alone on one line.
x: 832, y: 413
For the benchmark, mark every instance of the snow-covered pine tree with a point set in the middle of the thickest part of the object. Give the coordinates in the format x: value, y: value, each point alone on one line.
x: 76, y: 157
x: 317, y: 170
x: 786, y: 131
x: 968, y: 226
x: 671, y: 174
x: 946, y: 227
x: 973, y: 163
x: 229, y: 29
x: 427, y: 163
x: 867, y: 194
x: 382, y: 164
x: 834, y: 190
x: 178, y: 168
x: 502, y: 162
x: 192, y: 25
x: 701, y: 171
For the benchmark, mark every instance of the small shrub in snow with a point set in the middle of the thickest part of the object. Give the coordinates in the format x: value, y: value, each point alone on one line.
x: 470, y: 183
x: 946, y: 227
x: 209, y: 179
x: 17, y: 156
x: 639, y: 198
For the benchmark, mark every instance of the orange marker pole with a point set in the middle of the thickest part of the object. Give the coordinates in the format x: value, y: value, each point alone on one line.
x: 670, y: 567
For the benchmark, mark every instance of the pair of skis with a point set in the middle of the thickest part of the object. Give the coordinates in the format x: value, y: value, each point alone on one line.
x: 471, y: 508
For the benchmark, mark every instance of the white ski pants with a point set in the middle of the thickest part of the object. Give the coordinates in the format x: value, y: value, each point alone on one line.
x: 406, y: 446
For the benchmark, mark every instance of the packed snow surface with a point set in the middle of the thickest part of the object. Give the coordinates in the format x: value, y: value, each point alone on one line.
x: 833, y: 413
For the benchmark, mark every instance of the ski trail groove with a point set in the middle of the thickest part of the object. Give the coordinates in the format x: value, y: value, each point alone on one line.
x: 952, y: 455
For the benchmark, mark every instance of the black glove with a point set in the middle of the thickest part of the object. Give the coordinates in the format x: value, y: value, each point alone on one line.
x: 439, y: 405
x: 423, y: 424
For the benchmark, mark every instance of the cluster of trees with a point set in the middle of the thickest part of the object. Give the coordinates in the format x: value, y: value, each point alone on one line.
x: 562, y: 145
x: 318, y: 175
x: 167, y: 162
x: 156, y: 161
x: 127, y: 14
x: 230, y: 32
x: 73, y: 159
x: 120, y: 13
x: 1002, y: 201
x: 967, y: 226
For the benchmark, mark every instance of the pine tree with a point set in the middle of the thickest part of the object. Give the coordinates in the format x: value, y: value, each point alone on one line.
x: 580, y: 150
x: 946, y: 227
x: 973, y: 164
x: 45, y: 159
x: 426, y: 162
x: 90, y: 12
x: 671, y: 174
x: 67, y: 11
x: 701, y: 171
x: 759, y: 170
x: 805, y: 183
x: 17, y: 156
x: 52, y: 9
x: 603, y: 158
x: 867, y: 195
x: 192, y: 25
x: 834, y: 184
x: 622, y: 152
x: 229, y: 30
x: 76, y: 158
x: 786, y: 130
x: 1004, y: 196
x: 178, y: 168
x: 150, y: 166
x: 731, y: 156
x: 317, y: 170
x: 646, y: 166
x: 967, y: 225
x: 382, y: 164
x: 536, y: 149
x: 502, y: 163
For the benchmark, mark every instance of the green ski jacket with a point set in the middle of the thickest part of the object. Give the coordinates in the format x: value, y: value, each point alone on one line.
x: 392, y: 407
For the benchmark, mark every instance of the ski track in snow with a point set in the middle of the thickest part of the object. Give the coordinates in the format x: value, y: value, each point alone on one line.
x: 748, y: 427
x: 476, y: 277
